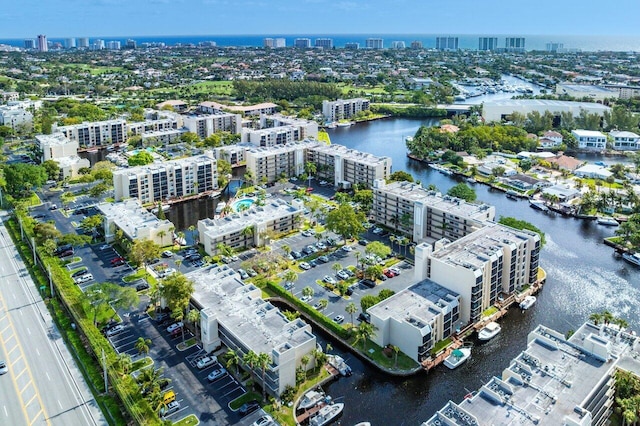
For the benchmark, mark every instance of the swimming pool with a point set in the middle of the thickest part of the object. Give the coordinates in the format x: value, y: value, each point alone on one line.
x: 243, y: 204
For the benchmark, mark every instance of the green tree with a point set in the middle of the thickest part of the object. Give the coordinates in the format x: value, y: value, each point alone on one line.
x: 52, y: 169
x: 364, y: 198
x: 233, y: 360
x: 400, y: 176
x: 378, y: 249
x: 142, y: 345
x: 364, y: 332
x: 345, y: 221
x: 308, y: 291
x: 251, y: 360
x: 521, y: 224
x: 351, y: 309
x: 193, y: 316
x: 177, y: 290
x: 20, y: 177
x: 142, y: 158
x: 385, y: 293
x: 264, y: 359
x: 142, y: 251
x: 101, y: 296
x: 91, y: 223
x: 367, y: 301
x: 463, y: 191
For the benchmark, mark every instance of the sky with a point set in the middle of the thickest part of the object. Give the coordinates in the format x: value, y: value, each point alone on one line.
x: 62, y: 18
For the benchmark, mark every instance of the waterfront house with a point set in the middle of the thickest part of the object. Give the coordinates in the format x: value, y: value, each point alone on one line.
x: 565, y: 162
x: 563, y: 192
x: 524, y: 182
x: 590, y: 139
x: 625, y: 141
x: 593, y: 171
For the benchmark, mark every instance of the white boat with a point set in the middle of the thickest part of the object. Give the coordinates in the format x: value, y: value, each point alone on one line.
x: 527, y: 302
x: 363, y: 424
x: 471, y: 180
x: 344, y: 124
x: 310, y: 400
x: 538, y: 205
x: 632, y: 258
x: 337, y: 362
x: 489, y: 331
x: 607, y: 221
x: 457, y: 358
x: 326, y: 414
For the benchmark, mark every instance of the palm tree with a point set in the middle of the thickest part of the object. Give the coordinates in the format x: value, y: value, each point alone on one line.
x: 233, y: 360
x: 336, y: 267
x: 123, y: 364
x: 308, y: 291
x: 247, y: 232
x: 290, y: 277
x: 323, y: 303
x: 251, y: 360
x: 357, y: 254
x: 286, y: 249
x: 351, y: 309
x: 178, y: 263
x: 607, y: 317
x: 162, y: 234
x: 395, y: 353
x: 193, y: 316
x: 319, y: 356
x: 305, y: 361
x: 595, y: 318
x: 364, y: 332
x: 142, y: 345
x: 264, y: 360
x: 192, y: 230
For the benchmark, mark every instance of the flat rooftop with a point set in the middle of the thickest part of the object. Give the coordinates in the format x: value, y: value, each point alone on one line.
x: 473, y: 250
x: 417, y: 305
x: 241, y: 310
x: 130, y: 216
x: 281, y: 149
x: 588, y: 88
x: 452, y: 205
x: 162, y: 165
x: 53, y: 139
x: 92, y: 123
x: 549, y: 381
x: 588, y: 133
x: 275, y: 208
x: 547, y: 103
x: 351, y: 154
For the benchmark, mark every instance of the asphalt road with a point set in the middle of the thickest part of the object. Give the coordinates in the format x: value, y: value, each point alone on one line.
x: 43, y: 385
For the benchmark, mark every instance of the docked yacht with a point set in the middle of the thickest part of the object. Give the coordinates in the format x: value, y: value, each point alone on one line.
x: 538, y: 205
x: 337, y: 362
x: 607, y: 221
x: 633, y: 258
x: 457, y: 358
x: 326, y: 414
x: 527, y: 302
x: 489, y: 331
x: 310, y: 400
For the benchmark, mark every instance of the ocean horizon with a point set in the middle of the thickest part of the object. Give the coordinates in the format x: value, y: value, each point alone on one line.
x: 587, y: 43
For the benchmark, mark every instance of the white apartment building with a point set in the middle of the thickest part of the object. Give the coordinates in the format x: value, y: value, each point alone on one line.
x: 136, y: 223
x: 374, y: 43
x: 269, y: 164
x: 426, y: 215
x: 481, y: 266
x: 206, y: 125
x: 274, y: 217
x: 96, y: 133
x: 167, y: 180
x: 590, y: 139
x: 233, y: 154
x: 625, y: 141
x: 235, y: 314
x: 306, y: 129
x: 344, y: 167
x: 164, y: 137
x: 416, y: 318
x: 142, y: 127
x: 270, y: 137
x: 16, y: 117
x: 9, y: 96
x: 554, y: 381
x: 550, y: 139
x: 64, y: 151
x: 342, y: 109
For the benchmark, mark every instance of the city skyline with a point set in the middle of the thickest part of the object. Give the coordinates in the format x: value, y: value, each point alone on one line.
x: 104, y: 18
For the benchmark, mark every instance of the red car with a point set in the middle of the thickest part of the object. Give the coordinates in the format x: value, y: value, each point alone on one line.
x: 388, y: 273
x: 117, y: 259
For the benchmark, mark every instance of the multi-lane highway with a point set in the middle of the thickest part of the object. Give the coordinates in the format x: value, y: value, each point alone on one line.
x: 43, y: 385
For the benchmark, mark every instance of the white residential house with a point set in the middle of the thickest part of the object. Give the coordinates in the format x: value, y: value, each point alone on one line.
x: 590, y: 139
x: 593, y: 171
x: 625, y: 141
x: 550, y: 139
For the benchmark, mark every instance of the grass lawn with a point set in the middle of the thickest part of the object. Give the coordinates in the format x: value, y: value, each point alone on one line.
x: 404, y: 362
x: 492, y: 310
x: 249, y: 396
x: 190, y: 420
x: 141, y: 363
x: 224, y: 88
x: 440, y: 345
x: 324, y: 137
x: 187, y: 344
x: 139, y: 274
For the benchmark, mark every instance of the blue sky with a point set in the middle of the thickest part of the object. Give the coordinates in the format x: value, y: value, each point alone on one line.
x: 60, y: 18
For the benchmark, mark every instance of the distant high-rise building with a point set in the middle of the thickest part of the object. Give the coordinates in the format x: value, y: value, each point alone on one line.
x: 279, y: 42
x: 83, y: 42
x: 514, y: 44
x: 97, y: 44
x: 113, y: 45
x: 487, y: 43
x: 70, y: 43
x: 554, y: 46
x: 397, y: 45
x: 42, y: 43
x: 208, y: 44
x: 447, y: 43
x: 302, y: 43
x: 375, y: 43
x: 29, y: 43
x: 131, y: 44
x: 416, y: 44
x: 352, y: 45
x: 268, y: 42
x: 324, y: 43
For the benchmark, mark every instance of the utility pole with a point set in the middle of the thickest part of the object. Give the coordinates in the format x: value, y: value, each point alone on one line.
x: 50, y: 280
x: 104, y: 367
x: 33, y: 244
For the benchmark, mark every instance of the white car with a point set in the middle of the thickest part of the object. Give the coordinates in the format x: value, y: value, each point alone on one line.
x: 347, y: 248
x: 306, y: 299
x: 343, y: 275
x: 170, y: 408
x: 166, y: 272
x: 265, y: 420
x: 216, y: 374
x: 338, y: 319
x: 207, y: 361
x: 395, y: 270
x: 115, y: 330
x: 321, y: 246
x: 3, y: 368
x: 377, y: 230
x: 305, y: 266
x: 329, y: 280
x: 175, y: 326
x: 167, y: 253
x: 84, y: 278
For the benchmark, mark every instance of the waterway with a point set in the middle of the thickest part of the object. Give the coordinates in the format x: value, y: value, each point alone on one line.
x: 583, y: 277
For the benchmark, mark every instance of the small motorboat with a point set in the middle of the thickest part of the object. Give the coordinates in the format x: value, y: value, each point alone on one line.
x: 326, y: 414
x: 527, y: 302
x: 489, y: 331
x: 337, y: 362
x: 457, y: 358
x: 607, y: 221
x: 538, y: 205
x: 310, y: 400
x: 634, y: 258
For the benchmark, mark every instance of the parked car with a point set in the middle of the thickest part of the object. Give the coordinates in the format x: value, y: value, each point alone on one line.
x: 84, y: 278
x: 395, y: 270
x: 296, y: 255
x: 306, y: 299
x: 142, y: 286
x: 79, y: 273
x: 342, y: 274
x: 288, y: 285
x: 251, y: 272
x: 216, y: 374
x: 3, y: 368
x: 377, y: 230
x: 66, y: 253
x: 162, y: 317
x: 320, y: 245
x: 339, y: 319
x: 243, y: 274
x: 234, y: 258
x: 249, y: 407
x: 347, y: 248
x: 174, y: 326
x: 364, y: 317
x: 115, y: 330
x: 323, y: 259
x: 318, y: 306
x: 207, y: 361
x: 265, y: 420
x: 305, y: 266
x: 367, y: 283
x: 329, y: 280
x: 225, y: 259
x: 120, y: 262
x: 170, y: 408
x: 117, y: 260
x: 363, y: 242
x: 167, y: 253
x: 388, y: 273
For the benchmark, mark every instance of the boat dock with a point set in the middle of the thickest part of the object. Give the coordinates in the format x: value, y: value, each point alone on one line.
x: 309, y: 413
x: 334, y: 374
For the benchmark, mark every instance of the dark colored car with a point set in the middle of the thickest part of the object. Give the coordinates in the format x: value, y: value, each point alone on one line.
x: 249, y: 407
x: 79, y: 273
x: 368, y: 283
x: 364, y: 317
x: 363, y: 242
x: 66, y: 253
x: 142, y: 286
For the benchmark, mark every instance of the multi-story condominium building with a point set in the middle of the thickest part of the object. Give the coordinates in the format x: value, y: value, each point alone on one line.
x: 426, y: 215
x: 96, y: 133
x: 16, y: 116
x: 624, y: 91
x: 97, y: 44
x: 277, y: 130
x: 554, y: 46
x: 257, y: 109
x: 590, y: 139
x: 554, y: 381
x: 375, y: 43
x: 29, y: 43
x: 141, y: 127
x: 113, y: 45
x: 43, y: 45
x: 343, y: 108
x: 399, y: 44
x: 302, y: 43
x: 83, y: 42
x: 344, y: 167
x: 324, y: 43
x: 235, y: 314
x: 70, y: 43
x: 167, y: 180
x: 416, y: 45
x: 416, y: 318
x: 206, y: 125
x: 233, y: 154
x: 135, y: 222
x: 352, y: 45
x: 274, y: 42
x: 164, y: 137
x: 131, y: 44
x: 274, y: 217
x: 267, y: 42
x: 446, y: 43
x: 9, y: 96
x: 63, y: 151
x: 487, y: 43
x: 306, y: 129
x: 268, y: 164
x: 481, y: 266
x: 514, y: 44
x: 625, y: 141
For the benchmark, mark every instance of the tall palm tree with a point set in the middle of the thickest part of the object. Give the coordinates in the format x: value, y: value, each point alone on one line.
x: 123, y: 364
x: 251, y: 360
x: 596, y: 318
x: 290, y: 277
x: 305, y: 361
x: 247, y: 232
x: 162, y: 234
x: 395, y: 353
x: 351, y: 309
x: 233, y: 360
x: 142, y: 345
x: 192, y: 229
x: 193, y: 316
x: 364, y: 332
x: 264, y: 359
